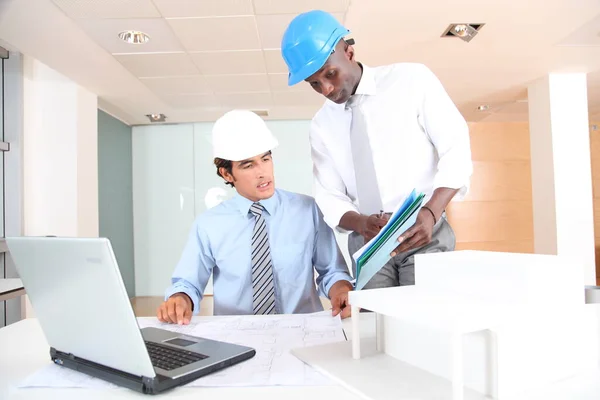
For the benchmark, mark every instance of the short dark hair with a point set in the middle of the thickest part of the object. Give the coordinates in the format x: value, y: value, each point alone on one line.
x: 227, y: 164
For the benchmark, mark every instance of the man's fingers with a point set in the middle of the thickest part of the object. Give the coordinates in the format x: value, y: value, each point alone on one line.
x: 187, y: 315
x: 335, y: 306
x: 179, y: 309
x: 407, y: 241
x: 159, y: 313
x: 346, y: 311
x: 171, y: 312
x: 404, y: 239
x: 380, y: 222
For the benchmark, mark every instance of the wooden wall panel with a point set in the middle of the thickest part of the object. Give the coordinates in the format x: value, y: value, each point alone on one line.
x: 499, y: 141
x: 500, y: 180
x: 496, y: 214
x: 491, y: 221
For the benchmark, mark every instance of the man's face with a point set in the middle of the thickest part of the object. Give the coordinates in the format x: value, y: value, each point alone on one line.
x: 335, y: 80
x: 253, y: 178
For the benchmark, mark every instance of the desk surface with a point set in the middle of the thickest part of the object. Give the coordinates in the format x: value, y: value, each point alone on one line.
x: 24, y: 350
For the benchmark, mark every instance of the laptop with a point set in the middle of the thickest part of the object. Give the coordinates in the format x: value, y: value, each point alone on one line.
x: 79, y: 298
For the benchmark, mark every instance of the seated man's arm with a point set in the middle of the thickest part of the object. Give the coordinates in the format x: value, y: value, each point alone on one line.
x: 182, y: 298
x: 334, y: 278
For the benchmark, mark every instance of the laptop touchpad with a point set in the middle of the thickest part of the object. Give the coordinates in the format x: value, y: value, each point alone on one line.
x: 180, y: 342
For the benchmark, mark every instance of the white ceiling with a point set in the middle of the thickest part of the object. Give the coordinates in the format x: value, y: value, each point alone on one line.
x: 208, y: 56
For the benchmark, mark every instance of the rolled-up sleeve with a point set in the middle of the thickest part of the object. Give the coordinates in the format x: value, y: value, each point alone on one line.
x: 194, y: 268
x: 449, y: 133
x: 330, y: 190
x: 327, y: 258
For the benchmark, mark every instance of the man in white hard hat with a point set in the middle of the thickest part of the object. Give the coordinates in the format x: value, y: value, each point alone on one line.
x: 263, y: 245
x: 382, y: 132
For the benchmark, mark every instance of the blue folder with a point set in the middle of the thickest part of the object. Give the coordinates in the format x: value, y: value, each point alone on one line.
x: 373, y: 256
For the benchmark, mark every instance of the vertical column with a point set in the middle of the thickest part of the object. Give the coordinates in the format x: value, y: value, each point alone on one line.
x: 60, y: 157
x: 561, y: 170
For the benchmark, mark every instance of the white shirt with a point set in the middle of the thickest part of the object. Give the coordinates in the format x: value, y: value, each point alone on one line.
x: 419, y: 140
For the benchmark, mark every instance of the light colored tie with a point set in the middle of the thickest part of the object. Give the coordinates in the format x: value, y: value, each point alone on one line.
x: 263, y: 293
x: 367, y: 190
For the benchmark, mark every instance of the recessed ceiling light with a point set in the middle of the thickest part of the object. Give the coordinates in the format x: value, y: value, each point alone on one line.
x: 483, y: 107
x: 465, y: 32
x: 134, y: 37
x: 156, y: 117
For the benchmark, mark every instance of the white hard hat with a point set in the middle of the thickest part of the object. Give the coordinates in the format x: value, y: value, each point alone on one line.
x: 241, y: 134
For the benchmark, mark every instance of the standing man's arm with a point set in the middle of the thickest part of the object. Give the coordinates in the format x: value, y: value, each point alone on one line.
x: 333, y: 277
x: 449, y: 134
x: 182, y: 298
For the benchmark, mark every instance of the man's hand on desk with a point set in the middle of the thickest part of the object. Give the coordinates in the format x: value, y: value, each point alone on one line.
x: 176, y: 310
x: 338, y: 295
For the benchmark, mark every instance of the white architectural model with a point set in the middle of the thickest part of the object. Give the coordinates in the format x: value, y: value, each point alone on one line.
x: 476, y: 325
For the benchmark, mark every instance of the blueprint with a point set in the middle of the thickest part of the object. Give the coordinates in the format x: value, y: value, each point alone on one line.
x: 272, y: 336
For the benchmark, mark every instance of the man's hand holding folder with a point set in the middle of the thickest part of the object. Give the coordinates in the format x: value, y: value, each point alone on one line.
x: 419, y: 234
x: 374, y: 254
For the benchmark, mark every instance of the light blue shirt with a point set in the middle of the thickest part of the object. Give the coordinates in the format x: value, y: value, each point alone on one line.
x: 300, y: 242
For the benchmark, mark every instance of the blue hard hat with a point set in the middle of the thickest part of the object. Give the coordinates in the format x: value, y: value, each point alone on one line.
x: 308, y: 42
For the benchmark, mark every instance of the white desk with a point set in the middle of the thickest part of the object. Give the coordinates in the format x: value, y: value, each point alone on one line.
x: 11, y: 288
x: 24, y: 350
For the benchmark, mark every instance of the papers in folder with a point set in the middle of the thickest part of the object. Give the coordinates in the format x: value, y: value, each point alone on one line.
x: 373, y: 255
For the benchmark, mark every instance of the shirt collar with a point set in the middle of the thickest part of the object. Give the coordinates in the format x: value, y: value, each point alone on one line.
x: 367, y: 82
x: 243, y: 204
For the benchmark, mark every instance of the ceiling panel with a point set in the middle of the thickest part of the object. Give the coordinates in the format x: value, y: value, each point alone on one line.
x: 221, y: 33
x: 297, y: 7
x: 192, y: 100
x: 274, y: 61
x: 108, y: 8
x: 178, y: 85
x: 146, y: 65
x: 279, y: 83
x: 106, y: 33
x: 586, y: 35
x: 272, y: 27
x: 230, y: 62
x: 203, y: 8
x: 245, y: 100
x: 239, y: 83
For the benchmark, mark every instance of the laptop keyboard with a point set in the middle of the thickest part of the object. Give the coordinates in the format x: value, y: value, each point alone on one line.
x: 169, y: 358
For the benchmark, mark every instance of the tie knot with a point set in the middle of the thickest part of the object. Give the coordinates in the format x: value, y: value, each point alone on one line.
x: 257, y: 209
x: 353, y: 101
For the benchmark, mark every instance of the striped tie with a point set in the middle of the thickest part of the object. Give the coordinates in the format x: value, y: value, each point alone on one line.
x: 263, y: 295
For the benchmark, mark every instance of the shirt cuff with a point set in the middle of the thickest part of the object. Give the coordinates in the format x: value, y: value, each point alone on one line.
x: 338, y: 276
x: 453, y: 182
x: 192, y: 293
x: 335, y: 215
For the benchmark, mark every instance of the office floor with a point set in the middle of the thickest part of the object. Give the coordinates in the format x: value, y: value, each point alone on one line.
x: 145, y: 306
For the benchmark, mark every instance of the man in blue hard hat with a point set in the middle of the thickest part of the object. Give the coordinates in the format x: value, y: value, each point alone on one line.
x: 381, y: 133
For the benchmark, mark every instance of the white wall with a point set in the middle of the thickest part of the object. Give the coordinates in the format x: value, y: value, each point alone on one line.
x: 174, y: 179
x: 60, y: 165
